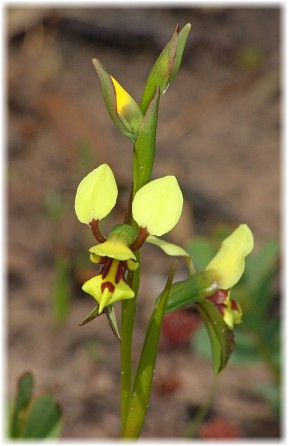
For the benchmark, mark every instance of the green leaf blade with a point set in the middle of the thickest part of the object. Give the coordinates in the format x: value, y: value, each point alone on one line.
x: 22, y: 400
x: 43, y: 418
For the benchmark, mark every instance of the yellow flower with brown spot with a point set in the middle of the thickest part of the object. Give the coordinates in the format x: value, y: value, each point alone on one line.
x: 156, y: 208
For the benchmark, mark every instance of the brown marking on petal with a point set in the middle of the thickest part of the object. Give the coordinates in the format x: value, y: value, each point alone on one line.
x: 120, y: 274
x: 107, y: 285
x: 106, y: 268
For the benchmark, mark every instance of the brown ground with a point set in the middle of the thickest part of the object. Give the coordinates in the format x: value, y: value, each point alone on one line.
x: 218, y: 132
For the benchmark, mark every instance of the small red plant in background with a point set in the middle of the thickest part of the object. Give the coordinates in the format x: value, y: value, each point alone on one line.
x: 179, y: 325
x: 218, y: 427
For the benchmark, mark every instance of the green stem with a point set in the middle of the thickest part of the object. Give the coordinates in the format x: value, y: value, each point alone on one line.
x: 128, y: 308
x: 203, y: 410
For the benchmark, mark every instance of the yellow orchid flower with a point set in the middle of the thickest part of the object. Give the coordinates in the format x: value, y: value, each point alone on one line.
x: 156, y: 208
x: 109, y: 286
x: 227, y: 267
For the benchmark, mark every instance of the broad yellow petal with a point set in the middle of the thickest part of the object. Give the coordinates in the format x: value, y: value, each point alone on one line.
x: 96, y: 195
x: 93, y: 287
x: 157, y: 206
x: 113, y: 250
x: 229, y: 263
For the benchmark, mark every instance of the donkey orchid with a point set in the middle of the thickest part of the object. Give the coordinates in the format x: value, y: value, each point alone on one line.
x: 227, y: 267
x: 156, y: 208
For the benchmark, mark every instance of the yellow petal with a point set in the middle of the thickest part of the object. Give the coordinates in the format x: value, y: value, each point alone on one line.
x: 93, y: 287
x: 128, y: 109
x: 122, y: 97
x: 96, y: 195
x: 122, y: 291
x: 157, y: 206
x: 113, y: 250
x: 229, y: 263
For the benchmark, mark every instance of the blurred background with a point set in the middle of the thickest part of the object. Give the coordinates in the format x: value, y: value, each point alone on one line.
x: 218, y: 132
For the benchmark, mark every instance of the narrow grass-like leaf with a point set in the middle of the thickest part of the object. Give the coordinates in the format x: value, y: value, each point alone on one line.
x: 139, y: 399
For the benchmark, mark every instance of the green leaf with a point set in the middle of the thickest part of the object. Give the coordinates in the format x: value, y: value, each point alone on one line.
x: 166, y: 66
x: 221, y: 337
x: 22, y: 399
x: 144, y: 148
x: 42, y: 418
x: 139, y: 399
x: 195, y: 287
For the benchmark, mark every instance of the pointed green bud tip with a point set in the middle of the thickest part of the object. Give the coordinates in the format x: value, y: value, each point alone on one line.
x: 166, y: 66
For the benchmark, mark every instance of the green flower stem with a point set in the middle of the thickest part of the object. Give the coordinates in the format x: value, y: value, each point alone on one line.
x: 139, y: 400
x: 128, y: 308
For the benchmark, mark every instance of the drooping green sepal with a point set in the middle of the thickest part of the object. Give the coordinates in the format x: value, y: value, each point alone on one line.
x: 190, y: 290
x: 122, y: 108
x: 140, y: 396
x: 221, y: 336
x: 144, y: 148
x: 110, y: 313
x: 166, y: 66
x: 195, y: 290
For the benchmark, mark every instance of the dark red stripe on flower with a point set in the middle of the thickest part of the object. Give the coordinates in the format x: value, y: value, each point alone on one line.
x: 107, y: 285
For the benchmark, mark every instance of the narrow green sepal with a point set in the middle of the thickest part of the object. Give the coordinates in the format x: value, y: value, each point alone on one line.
x: 182, y: 38
x: 166, y: 66
x: 144, y: 148
x: 190, y: 290
x: 140, y: 396
x: 90, y: 316
x: 110, y: 314
x: 221, y: 336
